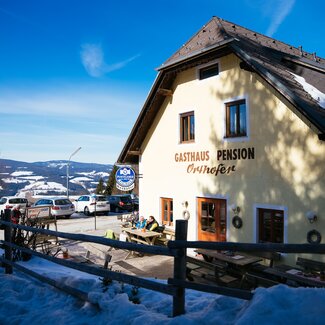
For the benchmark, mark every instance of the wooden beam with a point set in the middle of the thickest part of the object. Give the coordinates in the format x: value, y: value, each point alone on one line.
x: 165, y: 92
x: 232, y: 292
x: 134, y: 152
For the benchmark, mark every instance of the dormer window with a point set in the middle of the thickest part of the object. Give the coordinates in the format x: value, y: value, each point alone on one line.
x: 209, y: 71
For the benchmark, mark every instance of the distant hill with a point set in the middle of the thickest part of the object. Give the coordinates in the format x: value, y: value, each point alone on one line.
x: 50, y: 177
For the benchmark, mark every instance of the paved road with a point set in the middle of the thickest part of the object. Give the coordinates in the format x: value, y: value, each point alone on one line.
x: 160, y: 267
x: 79, y: 223
x: 151, y: 266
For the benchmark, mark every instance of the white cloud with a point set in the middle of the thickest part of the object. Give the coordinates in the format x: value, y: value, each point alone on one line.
x: 281, y: 9
x: 92, y: 58
x: 62, y: 101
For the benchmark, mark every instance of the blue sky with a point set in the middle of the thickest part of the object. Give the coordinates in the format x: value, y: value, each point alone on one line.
x: 75, y: 73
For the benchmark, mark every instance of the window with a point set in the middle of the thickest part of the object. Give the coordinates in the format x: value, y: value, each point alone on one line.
x: 236, y: 119
x: 187, y: 127
x: 270, y: 226
x: 209, y: 71
x: 167, y: 211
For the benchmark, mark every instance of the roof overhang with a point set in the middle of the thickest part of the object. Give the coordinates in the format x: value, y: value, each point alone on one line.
x: 162, y: 88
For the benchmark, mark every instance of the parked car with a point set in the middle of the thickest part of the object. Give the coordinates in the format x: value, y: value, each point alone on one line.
x: 135, y: 201
x: 60, y: 206
x: 120, y: 203
x: 89, y: 204
x: 8, y: 202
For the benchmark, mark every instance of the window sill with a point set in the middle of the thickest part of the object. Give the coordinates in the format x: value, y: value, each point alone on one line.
x: 244, y: 138
x: 186, y: 142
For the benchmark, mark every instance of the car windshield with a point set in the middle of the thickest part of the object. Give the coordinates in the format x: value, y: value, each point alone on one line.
x: 125, y: 199
x: 62, y: 202
x: 3, y: 200
x: 15, y: 201
x: 101, y: 198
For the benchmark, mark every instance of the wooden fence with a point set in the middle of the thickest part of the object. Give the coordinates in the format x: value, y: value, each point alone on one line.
x: 177, y: 249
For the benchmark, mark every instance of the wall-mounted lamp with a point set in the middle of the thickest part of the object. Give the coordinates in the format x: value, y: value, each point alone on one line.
x: 311, y: 216
x: 186, y: 214
x: 185, y: 204
x: 235, y: 208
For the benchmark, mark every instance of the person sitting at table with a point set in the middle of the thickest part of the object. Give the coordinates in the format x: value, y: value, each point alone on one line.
x: 141, y: 223
x: 152, y: 224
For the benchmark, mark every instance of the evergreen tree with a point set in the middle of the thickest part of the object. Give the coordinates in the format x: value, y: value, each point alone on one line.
x: 100, y: 187
x: 111, y: 182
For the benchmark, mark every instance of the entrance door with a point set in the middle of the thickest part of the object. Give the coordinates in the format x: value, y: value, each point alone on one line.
x: 212, y: 221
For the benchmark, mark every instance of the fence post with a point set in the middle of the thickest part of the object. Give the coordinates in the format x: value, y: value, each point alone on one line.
x: 7, y: 238
x: 180, y: 268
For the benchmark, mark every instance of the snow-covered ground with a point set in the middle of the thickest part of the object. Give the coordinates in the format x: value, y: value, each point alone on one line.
x: 21, y: 173
x: 25, y: 300
x: 28, y: 301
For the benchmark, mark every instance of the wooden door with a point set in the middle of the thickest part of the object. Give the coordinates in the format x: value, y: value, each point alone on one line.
x: 212, y: 223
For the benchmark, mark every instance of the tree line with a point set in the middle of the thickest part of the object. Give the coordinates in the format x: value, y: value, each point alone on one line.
x: 110, y: 185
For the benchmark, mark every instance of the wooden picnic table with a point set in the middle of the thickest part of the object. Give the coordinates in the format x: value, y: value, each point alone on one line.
x: 144, y: 237
x: 236, y: 259
x: 287, y: 272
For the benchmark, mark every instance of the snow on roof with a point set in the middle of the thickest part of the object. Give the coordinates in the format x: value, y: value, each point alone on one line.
x: 311, y: 90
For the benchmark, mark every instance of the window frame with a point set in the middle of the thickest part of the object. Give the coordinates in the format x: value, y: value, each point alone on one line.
x: 261, y: 236
x: 206, y: 69
x: 207, y: 66
x: 237, y: 104
x: 182, y: 117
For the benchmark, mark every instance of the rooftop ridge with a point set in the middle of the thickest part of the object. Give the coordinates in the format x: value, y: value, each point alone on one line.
x: 218, y: 30
x: 273, y: 41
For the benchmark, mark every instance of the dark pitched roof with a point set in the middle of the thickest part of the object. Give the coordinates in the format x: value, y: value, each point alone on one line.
x: 275, y: 61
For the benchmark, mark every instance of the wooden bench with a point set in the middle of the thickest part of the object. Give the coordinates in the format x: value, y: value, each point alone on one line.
x: 310, y: 265
x: 294, y: 277
x: 269, y: 257
x: 254, y: 281
x: 217, y: 271
x: 166, y: 236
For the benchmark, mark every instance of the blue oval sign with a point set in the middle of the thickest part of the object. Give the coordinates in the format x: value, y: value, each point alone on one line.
x: 125, y: 177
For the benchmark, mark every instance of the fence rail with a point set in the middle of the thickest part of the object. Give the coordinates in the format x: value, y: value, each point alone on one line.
x: 248, y: 247
x: 175, y: 286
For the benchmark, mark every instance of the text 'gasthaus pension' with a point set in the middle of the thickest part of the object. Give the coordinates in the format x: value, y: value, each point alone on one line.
x: 196, y: 157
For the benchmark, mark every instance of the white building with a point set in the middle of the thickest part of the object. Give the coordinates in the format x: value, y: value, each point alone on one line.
x: 234, y: 125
